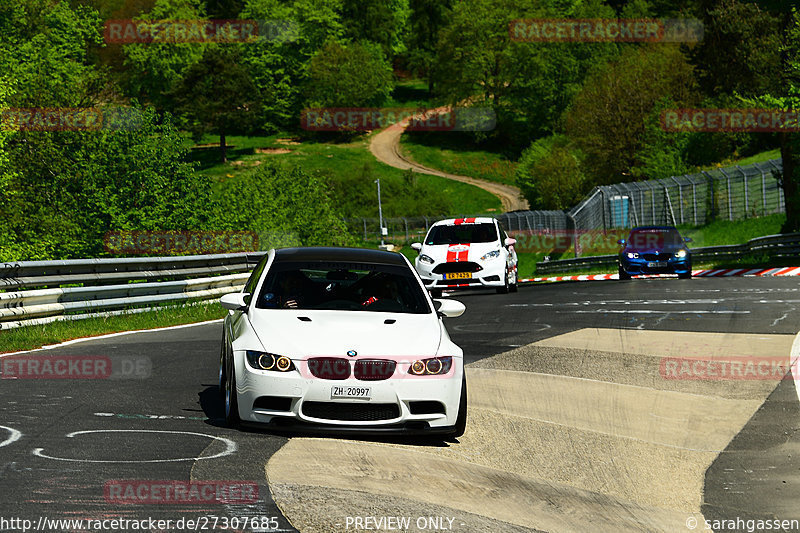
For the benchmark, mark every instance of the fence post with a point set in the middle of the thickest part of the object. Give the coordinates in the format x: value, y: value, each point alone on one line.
x: 728, y: 179
x: 746, y: 203
x: 713, y: 196
x: 763, y: 191
x: 680, y: 196
x: 405, y: 222
x: 364, y: 220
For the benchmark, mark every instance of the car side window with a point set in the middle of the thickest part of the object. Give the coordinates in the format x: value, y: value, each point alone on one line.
x: 252, y: 281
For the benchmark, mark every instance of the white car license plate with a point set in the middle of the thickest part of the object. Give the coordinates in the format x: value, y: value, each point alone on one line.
x: 350, y: 392
x: 657, y: 264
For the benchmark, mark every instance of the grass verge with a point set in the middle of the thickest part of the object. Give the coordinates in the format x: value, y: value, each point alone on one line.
x: 350, y: 169
x: 32, y: 337
x: 455, y: 153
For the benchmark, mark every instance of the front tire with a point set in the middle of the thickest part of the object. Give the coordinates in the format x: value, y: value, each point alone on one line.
x: 461, y: 421
x: 231, y: 398
x: 688, y: 275
x: 222, y: 375
x: 623, y: 274
x: 504, y: 288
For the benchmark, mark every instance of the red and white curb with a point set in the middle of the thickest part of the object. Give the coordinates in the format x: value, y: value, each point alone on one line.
x: 720, y: 272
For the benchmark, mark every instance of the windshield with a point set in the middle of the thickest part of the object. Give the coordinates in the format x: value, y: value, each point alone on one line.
x: 654, y: 238
x: 462, y: 233
x: 342, y: 286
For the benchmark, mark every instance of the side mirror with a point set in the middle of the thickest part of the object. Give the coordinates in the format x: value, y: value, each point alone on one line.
x: 622, y: 242
x: 416, y: 246
x: 449, y: 308
x: 234, y: 301
x: 510, y: 242
x: 687, y: 239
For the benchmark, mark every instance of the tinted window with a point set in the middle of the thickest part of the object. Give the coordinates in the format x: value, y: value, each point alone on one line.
x: 342, y: 286
x: 252, y: 281
x: 654, y: 238
x: 462, y: 233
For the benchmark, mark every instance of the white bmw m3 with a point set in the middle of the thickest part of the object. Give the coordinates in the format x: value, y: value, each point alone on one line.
x: 342, y: 339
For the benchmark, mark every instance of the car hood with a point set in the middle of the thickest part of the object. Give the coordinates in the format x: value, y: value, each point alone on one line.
x: 462, y: 252
x: 334, y: 333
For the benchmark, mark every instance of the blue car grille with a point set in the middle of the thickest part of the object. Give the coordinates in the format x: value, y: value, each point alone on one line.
x: 657, y: 256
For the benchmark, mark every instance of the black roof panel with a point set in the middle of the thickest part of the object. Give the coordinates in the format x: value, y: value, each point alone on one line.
x: 355, y: 255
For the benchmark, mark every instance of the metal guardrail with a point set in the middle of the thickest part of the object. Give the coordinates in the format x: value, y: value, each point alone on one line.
x: 779, y: 245
x: 81, y: 288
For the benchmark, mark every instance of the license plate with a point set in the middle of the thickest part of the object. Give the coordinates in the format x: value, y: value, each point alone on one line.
x: 347, y: 392
x: 458, y: 275
x: 657, y: 264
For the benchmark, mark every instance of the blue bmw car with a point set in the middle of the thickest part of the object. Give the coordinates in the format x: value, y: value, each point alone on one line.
x: 655, y: 250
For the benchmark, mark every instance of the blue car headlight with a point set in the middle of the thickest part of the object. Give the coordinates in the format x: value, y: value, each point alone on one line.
x: 633, y: 255
x: 680, y: 254
x: 426, y: 259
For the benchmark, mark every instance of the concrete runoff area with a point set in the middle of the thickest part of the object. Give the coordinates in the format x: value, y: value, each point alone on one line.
x: 573, y: 433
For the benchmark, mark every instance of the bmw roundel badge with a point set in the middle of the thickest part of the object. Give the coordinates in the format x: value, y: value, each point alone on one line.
x: 352, y: 353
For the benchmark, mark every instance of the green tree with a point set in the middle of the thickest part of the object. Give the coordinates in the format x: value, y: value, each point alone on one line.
x: 426, y: 20
x: 528, y: 85
x: 279, y: 66
x: 609, y: 117
x: 380, y: 21
x: 549, y: 174
x: 153, y: 69
x: 284, y: 205
x: 349, y: 75
x: 217, y: 95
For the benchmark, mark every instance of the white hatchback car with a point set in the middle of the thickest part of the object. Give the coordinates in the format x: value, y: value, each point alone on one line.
x: 342, y: 339
x: 467, y: 252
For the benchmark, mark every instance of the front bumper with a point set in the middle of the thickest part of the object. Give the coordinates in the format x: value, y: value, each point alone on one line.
x: 289, y: 392
x: 493, y: 274
x: 641, y: 266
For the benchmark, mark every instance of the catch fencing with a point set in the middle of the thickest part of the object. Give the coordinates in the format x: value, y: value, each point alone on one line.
x: 730, y: 193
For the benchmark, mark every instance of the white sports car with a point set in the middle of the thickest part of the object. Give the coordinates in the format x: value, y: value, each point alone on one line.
x: 467, y: 252
x: 341, y: 339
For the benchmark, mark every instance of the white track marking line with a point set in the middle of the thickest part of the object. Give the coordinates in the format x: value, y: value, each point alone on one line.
x: 109, y: 335
x: 14, y: 437
x: 230, y: 447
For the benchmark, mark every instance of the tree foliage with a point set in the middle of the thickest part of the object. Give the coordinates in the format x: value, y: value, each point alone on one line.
x: 349, y: 75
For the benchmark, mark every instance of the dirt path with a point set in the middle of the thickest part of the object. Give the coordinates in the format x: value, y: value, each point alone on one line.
x: 385, y: 146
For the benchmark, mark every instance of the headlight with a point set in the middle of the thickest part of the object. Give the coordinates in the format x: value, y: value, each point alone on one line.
x: 680, y: 254
x: 431, y: 367
x: 491, y: 255
x: 269, y: 361
x: 426, y: 259
x: 633, y: 255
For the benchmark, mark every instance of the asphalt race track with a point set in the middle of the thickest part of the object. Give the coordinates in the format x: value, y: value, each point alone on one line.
x: 577, y: 422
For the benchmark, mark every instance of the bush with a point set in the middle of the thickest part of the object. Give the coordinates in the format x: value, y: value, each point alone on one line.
x: 550, y: 175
